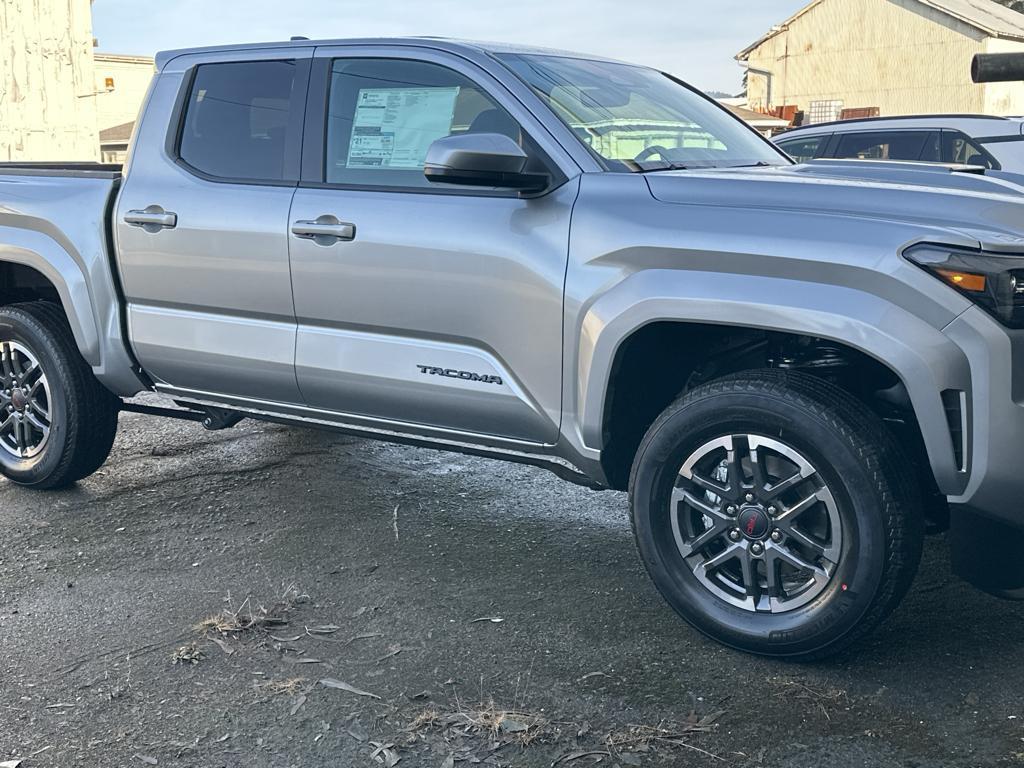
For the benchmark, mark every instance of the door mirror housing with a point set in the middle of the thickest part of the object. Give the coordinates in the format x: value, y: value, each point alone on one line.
x: 481, y: 160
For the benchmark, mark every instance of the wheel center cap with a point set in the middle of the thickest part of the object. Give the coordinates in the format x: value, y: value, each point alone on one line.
x: 753, y: 523
x: 19, y: 400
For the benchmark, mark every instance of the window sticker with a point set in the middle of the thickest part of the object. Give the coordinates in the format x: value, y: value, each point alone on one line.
x: 394, y: 127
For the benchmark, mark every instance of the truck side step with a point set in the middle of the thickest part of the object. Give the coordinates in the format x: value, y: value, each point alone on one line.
x: 221, y: 418
x: 211, y: 418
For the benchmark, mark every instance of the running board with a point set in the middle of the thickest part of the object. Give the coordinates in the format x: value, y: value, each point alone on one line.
x: 167, y: 413
x: 201, y: 413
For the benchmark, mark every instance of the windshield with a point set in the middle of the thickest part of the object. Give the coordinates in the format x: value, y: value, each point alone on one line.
x: 638, y: 119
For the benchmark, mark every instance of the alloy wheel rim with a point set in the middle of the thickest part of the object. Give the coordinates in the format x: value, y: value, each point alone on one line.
x: 25, y: 404
x: 755, y: 523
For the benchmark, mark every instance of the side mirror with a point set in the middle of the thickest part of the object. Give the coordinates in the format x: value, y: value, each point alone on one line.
x: 481, y: 160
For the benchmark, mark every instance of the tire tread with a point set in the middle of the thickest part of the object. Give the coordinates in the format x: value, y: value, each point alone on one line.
x: 92, y: 408
x: 874, y: 445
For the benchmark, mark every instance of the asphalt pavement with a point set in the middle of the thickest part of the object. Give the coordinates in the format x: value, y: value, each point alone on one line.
x: 269, y: 596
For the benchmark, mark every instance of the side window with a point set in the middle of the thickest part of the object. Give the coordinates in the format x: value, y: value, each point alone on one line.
x: 889, y: 145
x: 383, y: 115
x: 932, y: 152
x: 236, y: 120
x: 803, y: 150
x: 959, y: 148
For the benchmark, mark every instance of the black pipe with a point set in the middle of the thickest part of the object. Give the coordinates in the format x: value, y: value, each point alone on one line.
x: 997, y: 67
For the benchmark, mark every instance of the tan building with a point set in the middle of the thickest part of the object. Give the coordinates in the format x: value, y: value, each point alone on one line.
x: 883, y: 57
x: 47, y: 108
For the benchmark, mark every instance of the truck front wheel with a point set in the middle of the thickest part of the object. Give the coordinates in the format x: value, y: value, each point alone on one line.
x: 776, y: 514
x: 57, y: 422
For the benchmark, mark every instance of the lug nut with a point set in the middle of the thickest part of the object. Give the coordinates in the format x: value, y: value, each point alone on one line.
x: 735, y: 534
x: 749, y: 497
x: 731, y: 510
x: 773, y: 510
x: 776, y: 536
x: 757, y: 548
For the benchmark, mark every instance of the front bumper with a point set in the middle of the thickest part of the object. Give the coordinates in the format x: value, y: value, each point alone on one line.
x: 987, y: 517
x: 994, y: 419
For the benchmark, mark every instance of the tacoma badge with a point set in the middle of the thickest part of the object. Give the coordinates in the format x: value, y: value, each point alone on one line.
x: 451, y: 373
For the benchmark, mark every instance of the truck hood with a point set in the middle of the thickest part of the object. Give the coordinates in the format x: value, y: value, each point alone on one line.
x: 978, y: 208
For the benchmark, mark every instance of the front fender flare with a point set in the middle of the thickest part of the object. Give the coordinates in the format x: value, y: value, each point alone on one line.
x: 926, y: 361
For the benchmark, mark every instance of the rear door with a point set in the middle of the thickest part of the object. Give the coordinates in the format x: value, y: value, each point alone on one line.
x: 202, y: 224
x: 433, y: 307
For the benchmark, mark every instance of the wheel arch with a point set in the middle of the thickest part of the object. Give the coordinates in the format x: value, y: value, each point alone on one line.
x: 924, y: 361
x: 33, y: 266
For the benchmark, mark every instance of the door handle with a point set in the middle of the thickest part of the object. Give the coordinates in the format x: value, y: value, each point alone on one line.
x: 325, y: 230
x: 152, y: 219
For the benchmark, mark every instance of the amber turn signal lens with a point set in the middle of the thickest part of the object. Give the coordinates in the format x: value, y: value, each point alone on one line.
x: 965, y: 281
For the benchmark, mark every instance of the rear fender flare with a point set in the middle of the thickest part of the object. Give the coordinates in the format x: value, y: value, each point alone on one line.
x: 41, y: 253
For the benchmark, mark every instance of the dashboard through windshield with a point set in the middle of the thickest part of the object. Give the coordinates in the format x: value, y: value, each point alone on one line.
x: 638, y: 119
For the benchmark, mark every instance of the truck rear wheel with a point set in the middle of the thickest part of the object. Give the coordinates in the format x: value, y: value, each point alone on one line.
x: 776, y: 514
x: 57, y: 422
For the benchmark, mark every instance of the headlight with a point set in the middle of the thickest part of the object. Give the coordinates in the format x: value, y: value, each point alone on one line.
x: 993, y: 282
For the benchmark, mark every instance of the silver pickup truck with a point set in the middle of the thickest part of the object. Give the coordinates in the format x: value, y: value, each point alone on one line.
x: 795, y: 370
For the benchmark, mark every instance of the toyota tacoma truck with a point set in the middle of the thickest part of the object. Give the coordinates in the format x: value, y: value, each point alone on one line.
x: 796, y: 370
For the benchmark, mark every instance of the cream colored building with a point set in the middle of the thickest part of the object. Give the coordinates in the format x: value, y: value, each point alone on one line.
x: 121, y: 85
x: 47, y: 104
x: 898, y: 57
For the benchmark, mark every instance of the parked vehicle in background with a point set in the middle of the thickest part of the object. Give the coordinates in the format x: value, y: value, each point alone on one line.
x: 546, y: 258
x: 996, y: 143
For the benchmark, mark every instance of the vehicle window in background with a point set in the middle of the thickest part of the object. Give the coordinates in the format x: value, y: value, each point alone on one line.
x: 635, y: 118
x: 803, y: 150
x: 236, y: 121
x: 888, y: 145
x: 932, y: 152
x: 385, y: 113
x: 961, y: 149
x: 1009, y: 154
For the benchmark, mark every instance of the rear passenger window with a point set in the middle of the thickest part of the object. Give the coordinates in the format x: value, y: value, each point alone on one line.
x: 890, y: 145
x: 236, y: 120
x: 959, y: 148
x: 803, y: 150
x: 385, y: 113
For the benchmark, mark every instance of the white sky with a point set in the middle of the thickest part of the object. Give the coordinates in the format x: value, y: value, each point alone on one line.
x: 693, y: 39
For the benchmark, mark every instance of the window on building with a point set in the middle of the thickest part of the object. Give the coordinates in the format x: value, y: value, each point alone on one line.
x: 803, y: 150
x: 824, y: 111
x: 385, y: 113
x: 236, y: 120
x: 883, y: 145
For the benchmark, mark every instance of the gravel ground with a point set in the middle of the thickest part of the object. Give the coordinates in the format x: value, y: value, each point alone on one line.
x: 491, y: 613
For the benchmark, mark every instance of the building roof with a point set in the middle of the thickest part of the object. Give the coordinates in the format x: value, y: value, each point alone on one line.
x: 756, y: 118
x: 121, y: 58
x: 987, y: 16
x: 119, y: 134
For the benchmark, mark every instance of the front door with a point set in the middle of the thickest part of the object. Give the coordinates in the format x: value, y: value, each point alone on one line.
x: 436, y: 308
x: 202, y: 227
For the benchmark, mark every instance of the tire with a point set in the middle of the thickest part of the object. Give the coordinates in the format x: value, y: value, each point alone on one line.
x: 839, y: 547
x: 72, y: 418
